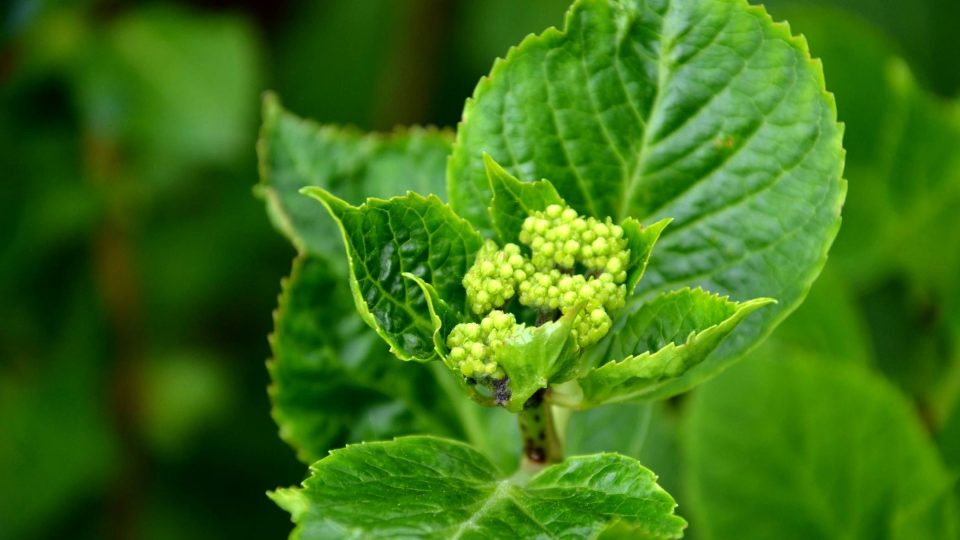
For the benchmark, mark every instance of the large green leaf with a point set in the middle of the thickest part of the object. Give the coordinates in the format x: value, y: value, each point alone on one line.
x: 386, y: 238
x: 801, y: 448
x: 295, y: 153
x: 334, y: 380
x: 659, y: 342
x: 423, y: 487
x: 704, y: 111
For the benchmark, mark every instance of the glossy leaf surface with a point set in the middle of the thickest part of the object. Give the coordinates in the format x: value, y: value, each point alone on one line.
x: 661, y: 340
x: 703, y: 111
x: 386, y: 238
x: 423, y: 487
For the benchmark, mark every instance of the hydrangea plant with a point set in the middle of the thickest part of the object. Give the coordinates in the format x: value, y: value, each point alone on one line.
x: 633, y: 202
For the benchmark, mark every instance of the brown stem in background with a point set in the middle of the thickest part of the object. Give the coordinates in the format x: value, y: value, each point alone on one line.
x: 407, y: 86
x: 116, y: 280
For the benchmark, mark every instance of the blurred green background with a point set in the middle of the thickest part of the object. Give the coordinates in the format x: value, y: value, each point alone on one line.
x: 138, y: 272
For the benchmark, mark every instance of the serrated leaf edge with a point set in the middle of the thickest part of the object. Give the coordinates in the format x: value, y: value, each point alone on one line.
x: 742, y: 310
x: 271, y: 111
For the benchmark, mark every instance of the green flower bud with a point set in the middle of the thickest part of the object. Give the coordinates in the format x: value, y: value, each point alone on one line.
x: 560, y: 241
x: 591, y: 325
x: 492, y: 279
x: 473, y: 346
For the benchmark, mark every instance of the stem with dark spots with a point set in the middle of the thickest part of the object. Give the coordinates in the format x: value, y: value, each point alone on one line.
x: 541, y: 445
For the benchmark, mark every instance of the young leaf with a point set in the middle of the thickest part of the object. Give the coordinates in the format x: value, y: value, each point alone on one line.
x: 384, y: 239
x: 295, y: 153
x: 514, y: 200
x: 536, y: 356
x: 704, y: 111
x: 662, y: 340
x: 333, y: 380
x: 801, y: 448
x: 640, y: 240
x: 442, y: 316
x: 425, y: 487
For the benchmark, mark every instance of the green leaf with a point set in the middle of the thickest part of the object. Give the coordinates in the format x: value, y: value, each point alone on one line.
x: 333, y: 380
x: 423, y: 487
x: 442, y: 316
x: 660, y: 341
x: 640, y: 240
x: 514, y: 200
x: 295, y: 153
x: 801, y: 448
x: 704, y: 111
x: 537, y: 356
x: 384, y: 239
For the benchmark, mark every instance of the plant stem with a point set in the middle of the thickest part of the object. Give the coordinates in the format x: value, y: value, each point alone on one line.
x: 541, y: 445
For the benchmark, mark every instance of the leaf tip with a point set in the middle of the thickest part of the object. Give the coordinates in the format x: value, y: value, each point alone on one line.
x: 335, y: 205
x: 752, y: 305
x: 495, y: 171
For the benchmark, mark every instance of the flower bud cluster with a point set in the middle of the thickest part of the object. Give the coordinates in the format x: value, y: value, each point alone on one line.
x: 558, y: 237
x: 575, y: 263
x: 591, y: 325
x: 493, y: 278
x: 554, y: 289
x: 472, y: 345
x: 560, y: 240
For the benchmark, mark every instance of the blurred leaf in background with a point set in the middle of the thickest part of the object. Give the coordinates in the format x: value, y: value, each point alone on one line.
x: 138, y: 272
x: 801, y: 448
x: 898, y: 252
x: 127, y: 136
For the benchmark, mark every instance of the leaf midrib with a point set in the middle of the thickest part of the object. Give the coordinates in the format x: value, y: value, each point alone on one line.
x: 633, y: 182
